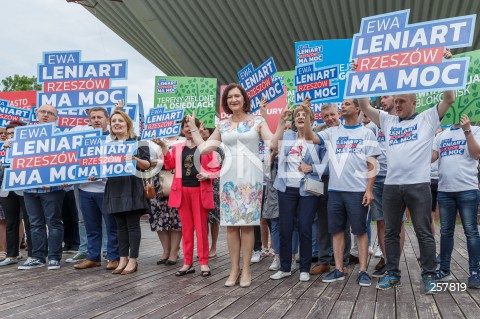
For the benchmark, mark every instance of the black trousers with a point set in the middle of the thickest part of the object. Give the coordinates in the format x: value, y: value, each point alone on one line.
x: 71, y: 233
x: 129, y: 233
x: 14, y: 207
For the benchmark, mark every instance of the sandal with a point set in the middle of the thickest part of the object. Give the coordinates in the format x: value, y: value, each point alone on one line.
x: 169, y: 262
x: 190, y: 270
x: 3, y: 255
x: 206, y: 273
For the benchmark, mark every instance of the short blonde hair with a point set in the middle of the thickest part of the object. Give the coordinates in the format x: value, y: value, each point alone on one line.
x: 308, y: 112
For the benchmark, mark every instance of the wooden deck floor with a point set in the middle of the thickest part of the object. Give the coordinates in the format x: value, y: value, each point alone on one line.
x: 154, y: 291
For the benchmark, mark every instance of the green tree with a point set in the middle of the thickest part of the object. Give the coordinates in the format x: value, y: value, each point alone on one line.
x: 20, y: 83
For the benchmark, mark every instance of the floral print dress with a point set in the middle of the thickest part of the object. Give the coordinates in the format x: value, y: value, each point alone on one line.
x: 241, y: 179
x: 161, y: 216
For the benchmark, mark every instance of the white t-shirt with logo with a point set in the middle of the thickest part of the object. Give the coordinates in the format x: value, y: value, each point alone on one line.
x: 348, y: 148
x: 382, y: 144
x: 457, y: 169
x: 294, y: 159
x: 409, y: 146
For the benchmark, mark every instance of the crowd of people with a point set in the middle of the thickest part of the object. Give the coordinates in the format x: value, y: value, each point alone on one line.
x: 315, y: 186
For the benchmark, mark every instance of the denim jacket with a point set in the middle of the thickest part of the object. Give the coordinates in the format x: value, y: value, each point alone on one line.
x: 312, y: 157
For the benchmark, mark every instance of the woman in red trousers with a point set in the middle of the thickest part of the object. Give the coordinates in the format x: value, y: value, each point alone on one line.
x: 192, y: 194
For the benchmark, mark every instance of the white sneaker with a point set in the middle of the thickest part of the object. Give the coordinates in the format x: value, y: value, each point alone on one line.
x: 256, y: 256
x: 304, y: 276
x: 294, y: 265
x: 378, y: 252
x: 370, y: 250
x: 53, y: 264
x: 275, y: 264
x: 280, y: 275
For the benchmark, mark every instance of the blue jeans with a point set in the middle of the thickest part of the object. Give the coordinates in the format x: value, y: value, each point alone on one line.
x: 290, y: 205
x: 81, y: 224
x: 314, y: 237
x: 466, y: 203
x: 275, y: 234
x: 45, y: 209
x: 91, y: 206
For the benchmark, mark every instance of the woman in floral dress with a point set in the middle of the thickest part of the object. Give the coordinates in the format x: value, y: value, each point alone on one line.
x: 165, y: 220
x: 241, y: 179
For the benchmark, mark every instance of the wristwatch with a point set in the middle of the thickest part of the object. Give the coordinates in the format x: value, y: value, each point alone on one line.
x: 466, y: 132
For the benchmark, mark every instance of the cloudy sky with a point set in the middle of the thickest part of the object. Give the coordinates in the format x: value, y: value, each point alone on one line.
x: 31, y: 27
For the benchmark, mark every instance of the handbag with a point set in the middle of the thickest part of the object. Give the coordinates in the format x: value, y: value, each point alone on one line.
x: 312, y: 186
x: 165, y: 179
x: 148, y: 188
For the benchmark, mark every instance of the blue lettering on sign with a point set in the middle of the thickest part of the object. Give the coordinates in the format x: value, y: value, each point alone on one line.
x: 66, y: 66
x: 320, y: 71
x: 11, y: 113
x: 394, y: 57
x: 166, y: 86
x: 161, y: 123
x: 2, y: 154
x: 102, y: 159
x: 71, y: 83
x: 307, y: 53
x: 260, y: 82
x: 40, y: 157
x: 77, y: 99
x: 390, y: 32
x: 400, y: 135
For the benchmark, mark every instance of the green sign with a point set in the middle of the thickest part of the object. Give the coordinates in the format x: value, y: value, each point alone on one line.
x: 190, y: 94
x: 286, y: 77
x: 467, y: 101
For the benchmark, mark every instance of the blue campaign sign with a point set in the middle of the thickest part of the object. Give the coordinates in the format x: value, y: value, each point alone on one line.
x: 2, y: 154
x: 87, y: 99
x: 260, y: 83
x: 161, y: 123
x: 10, y: 113
x: 395, y: 57
x: 321, y: 68
x: 67, y: 65
x: 69, y: 82
x: 102, y: 159
x: 41, y: 157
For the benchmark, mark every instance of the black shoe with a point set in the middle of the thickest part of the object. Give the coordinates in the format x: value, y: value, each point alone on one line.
x: 379, y: 273
x: 381, y: 264
x: 162, y: 262
x: 170, y: 262
x: 190, y: 270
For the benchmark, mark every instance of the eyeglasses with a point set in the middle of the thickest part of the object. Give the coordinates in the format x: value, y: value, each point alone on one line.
x: 43, y: 112
x: 10, y: 133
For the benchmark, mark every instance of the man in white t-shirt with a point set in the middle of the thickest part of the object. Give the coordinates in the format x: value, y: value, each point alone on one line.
x: 407, y: 184
x: 388, y: 106
x: 331, y: 118
x: 351, y: 150
x: 91, y: 200
x: 457, y: 150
